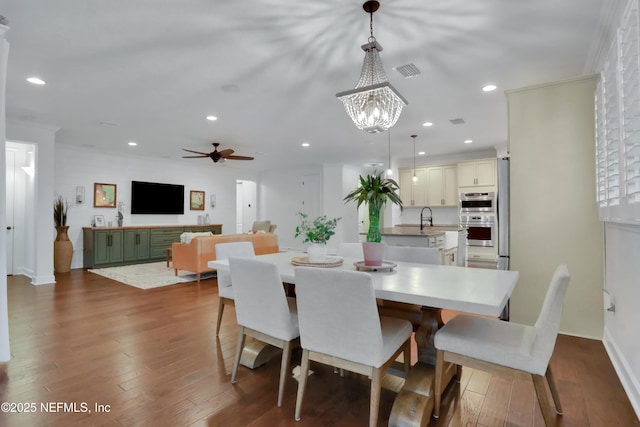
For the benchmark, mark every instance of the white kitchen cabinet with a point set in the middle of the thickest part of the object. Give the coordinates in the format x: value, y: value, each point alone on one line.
x: 450, y: 256
x: 477, y: 173
x: 413, y: 193
x: 441, y: 186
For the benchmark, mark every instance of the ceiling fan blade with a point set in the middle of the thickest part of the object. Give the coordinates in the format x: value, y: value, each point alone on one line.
x: 195, y: 157
x: 239, y: 157
x: 226, y: 152
x: 197, y: 152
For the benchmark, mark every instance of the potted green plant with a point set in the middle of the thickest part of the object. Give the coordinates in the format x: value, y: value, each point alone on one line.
x: 375, y: 191
x: 62, y: 246
x: 316, y: 232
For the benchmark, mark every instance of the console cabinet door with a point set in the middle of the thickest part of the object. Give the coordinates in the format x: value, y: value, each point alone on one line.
x: 116, y: 250
x: 136, y: 244
x: 108, y: 246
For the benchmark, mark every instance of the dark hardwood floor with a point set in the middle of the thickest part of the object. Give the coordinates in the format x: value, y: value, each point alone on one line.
x: 151, y: 358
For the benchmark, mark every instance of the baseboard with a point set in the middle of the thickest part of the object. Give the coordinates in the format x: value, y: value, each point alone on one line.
x: 630, y: 384
x: 24, y: 272
x: 43, y: 280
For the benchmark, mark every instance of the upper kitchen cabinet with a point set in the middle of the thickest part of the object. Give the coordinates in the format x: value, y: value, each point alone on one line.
x: 477, y: 173
x: 413, y: 193
x: 441, y: 186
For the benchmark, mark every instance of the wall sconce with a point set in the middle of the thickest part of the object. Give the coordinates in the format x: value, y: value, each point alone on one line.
x: 79, y: 195
x: 213, y: 200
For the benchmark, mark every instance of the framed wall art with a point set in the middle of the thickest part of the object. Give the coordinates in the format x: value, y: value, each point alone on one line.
x: 196, y: 200
x: 98, y: 220
x: 104, y: 195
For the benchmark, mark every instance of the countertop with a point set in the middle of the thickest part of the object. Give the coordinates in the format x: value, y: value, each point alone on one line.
x: 414, y: 230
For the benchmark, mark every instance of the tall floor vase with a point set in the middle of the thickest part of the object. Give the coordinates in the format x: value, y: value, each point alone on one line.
x: 62, y: 251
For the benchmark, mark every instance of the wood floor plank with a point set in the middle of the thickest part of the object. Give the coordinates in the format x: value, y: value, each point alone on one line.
x: 153, y: 358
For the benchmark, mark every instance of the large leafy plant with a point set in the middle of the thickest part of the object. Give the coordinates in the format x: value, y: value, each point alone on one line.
x: 317, y: 231
x: 375, y: 191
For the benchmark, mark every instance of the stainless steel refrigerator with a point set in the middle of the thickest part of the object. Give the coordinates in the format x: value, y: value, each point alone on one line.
x: 503, y: 222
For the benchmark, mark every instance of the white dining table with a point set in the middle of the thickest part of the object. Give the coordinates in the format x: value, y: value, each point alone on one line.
x: 472, y: 290
x: 432, y: 288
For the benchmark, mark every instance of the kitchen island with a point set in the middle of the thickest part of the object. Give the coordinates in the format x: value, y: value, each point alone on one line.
x: 450, y: 239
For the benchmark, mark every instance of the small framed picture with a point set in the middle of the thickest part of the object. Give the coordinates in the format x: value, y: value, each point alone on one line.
x: 104, y: 195
x: 196, y: 200
x: 98, y: 220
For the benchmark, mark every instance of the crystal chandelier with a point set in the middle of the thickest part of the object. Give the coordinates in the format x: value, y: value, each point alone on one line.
x: 374, y: 105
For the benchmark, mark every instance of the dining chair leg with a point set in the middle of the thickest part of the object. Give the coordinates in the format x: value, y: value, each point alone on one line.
x: 543, y: 399
x: 220, y: 311
x: 374, y: 404
x: 284, y: 365
x: 438, y: 382
x: 302, y: 382
x: 554, y: 390
x: 458, y: 373
x: 239, y: 348
x: 407, y: 358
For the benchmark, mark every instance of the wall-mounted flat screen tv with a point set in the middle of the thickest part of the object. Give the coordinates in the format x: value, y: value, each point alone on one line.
x: 156, y: 198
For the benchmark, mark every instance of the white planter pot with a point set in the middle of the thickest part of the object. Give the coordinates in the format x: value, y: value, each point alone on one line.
x: 317, y: 252
x: 373, y: 253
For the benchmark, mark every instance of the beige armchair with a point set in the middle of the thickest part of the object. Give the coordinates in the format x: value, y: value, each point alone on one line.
x: 265, y: 226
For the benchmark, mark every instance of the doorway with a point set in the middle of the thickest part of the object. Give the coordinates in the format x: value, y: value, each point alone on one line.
x: 20, y: 188
x: 246, y: 209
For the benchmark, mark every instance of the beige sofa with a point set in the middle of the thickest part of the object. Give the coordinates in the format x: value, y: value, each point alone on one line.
x: 195, y: 255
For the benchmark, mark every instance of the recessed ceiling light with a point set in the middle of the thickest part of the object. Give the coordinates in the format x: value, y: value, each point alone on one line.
x: 427, y: 124
x: 305, y: 144
x: 132, y: 143
x: 489, y: 88
x: 468, y: 141
x: 212, y: 118
x: 36, y: 80
x: 421, y: 153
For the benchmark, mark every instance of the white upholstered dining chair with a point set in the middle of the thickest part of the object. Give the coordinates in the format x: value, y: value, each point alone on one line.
x: 350, y: 250
x: 340, y: 326
x: 225, y: 291
x: 420, y: 255
x: 496, y: 346
x: 412, y: 254
x: 263, y: 311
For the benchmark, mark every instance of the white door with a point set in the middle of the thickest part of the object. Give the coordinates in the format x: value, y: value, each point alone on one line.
x: 246, y: 199
x: 312, y: 195
x: 239, y: 204
x: 10, y: 172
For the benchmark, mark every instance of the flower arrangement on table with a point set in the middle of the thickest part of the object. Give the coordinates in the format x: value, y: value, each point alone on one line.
x: 316, y: 232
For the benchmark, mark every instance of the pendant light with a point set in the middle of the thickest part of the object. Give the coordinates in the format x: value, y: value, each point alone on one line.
x: 415, y: 178
x: 389, y: 171
x: 374, y: 105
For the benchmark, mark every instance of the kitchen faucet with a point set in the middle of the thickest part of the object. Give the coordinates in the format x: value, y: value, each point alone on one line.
x: 430, y: 218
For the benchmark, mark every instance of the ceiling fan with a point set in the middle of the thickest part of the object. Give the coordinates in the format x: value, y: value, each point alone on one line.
x: 217, y: 156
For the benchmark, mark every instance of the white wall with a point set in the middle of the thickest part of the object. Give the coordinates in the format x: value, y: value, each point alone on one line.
x: 621, y: 337
x: 280, y: 199
x: 79, y: 166
x: 622, y: 246
x: 5, y: 353
x: 553, y: 210
x: 39, y: 204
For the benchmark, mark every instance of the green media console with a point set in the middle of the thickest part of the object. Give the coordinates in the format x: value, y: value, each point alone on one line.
x: 111, y: 246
